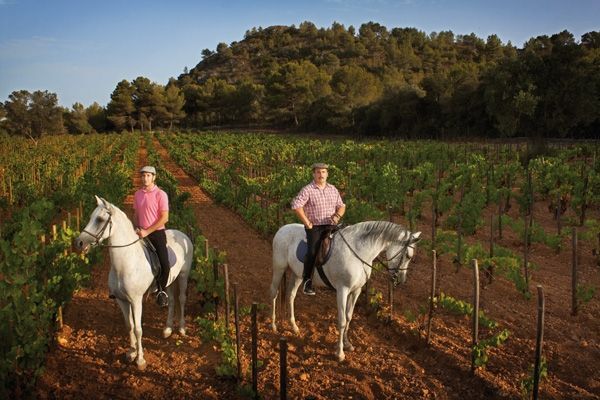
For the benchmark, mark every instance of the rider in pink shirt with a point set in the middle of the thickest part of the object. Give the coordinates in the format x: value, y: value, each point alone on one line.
x: 151, y: 206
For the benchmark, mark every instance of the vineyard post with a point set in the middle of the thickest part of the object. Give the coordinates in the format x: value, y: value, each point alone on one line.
x: 433, y: 220
x: 282, y: 368
x: 206, y: 249
x: 215, y: 280
x: 475, y: 312
x: 391, y: 296
x: 78, y: 220
x: 236, y: 314
x: 254, y: 351
x: 10, y: 191
x: 538, y: 341
x: 574, y: 274
x: 526, y: 254
x: 490, y: 268
x: 558, y: 213
x: 227, y: 308
x: 432, y: 297
x: 54, y: 235
x: 69, y: 219
x: 499, y: 218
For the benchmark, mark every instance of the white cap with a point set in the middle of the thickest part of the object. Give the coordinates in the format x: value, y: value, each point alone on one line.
x: 149, y: 169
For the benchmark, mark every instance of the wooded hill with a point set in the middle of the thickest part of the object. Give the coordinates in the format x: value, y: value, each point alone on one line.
x: 398, y: 82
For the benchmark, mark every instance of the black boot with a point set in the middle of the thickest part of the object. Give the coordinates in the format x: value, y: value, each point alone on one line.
x: 307, y: 287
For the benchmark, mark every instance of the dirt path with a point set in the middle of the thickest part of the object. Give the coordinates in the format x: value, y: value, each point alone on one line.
x: 390, y: 360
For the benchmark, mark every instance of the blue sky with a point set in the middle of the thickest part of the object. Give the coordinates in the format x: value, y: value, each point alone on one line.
x: 81, y: 49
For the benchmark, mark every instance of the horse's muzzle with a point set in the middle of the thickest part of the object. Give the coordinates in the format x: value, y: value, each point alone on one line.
x: 80, y: 245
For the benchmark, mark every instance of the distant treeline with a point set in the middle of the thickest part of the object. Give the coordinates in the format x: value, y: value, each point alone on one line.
x: 402, y: 83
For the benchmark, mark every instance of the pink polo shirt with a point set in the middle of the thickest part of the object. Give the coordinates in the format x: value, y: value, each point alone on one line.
x: 149, y: 204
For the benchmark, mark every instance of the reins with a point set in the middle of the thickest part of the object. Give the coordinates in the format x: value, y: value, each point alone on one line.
x: 99, y: 236
x: 378, y: 258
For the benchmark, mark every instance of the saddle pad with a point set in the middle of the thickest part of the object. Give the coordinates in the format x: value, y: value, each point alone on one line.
x: 152, y: 258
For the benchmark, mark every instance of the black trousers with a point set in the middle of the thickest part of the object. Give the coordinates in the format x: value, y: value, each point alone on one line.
x: 159, y: 240
x: 314, y: 237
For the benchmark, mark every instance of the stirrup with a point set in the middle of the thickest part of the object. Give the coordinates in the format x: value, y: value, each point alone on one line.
x: 307, y: 288
x: 162, y: 299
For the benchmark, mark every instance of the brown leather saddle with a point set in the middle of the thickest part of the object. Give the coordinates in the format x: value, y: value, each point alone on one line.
x: 324, y: 252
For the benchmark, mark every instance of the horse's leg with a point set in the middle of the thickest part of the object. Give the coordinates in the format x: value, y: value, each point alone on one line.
x: 349, y: 312
x: 342, y: 301
x: 169, y: 328
x: 278, y: 272
x: 183, y: 282
x: 136, y: 307
x: 291, y: 296
x: 128, y: 315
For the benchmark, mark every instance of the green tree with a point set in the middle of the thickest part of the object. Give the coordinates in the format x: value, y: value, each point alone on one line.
x: 173, y: 101
x: 293, y: 87
x: 120, y: 110
x: 96, y: 115
x: 76, y: 120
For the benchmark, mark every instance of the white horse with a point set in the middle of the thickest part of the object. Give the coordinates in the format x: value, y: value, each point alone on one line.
x: 348, y: 269
x: 130, y: 273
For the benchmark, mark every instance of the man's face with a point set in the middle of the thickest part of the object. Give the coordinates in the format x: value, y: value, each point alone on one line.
x: 147, y: 179
x: 320, y: 175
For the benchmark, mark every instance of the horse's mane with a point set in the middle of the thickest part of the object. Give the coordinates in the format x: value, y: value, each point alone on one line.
x: 376, y: 230
x: 122, y: 214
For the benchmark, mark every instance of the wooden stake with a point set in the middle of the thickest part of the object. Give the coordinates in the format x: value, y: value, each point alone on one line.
x: 282, y: 368
x: 54, y: 234
x: 227, y: 308
x: 254, y: 350
x: 432, y: 296
x: 538, y: 342
x: 236, y: 314
x: 574, y: 273
x: 475, y: 332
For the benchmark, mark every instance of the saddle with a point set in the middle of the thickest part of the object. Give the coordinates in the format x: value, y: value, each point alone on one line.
x: 324, y: 252
x: 150, y: 251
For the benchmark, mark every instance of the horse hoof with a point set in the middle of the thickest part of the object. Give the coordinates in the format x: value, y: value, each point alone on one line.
x: 131, y: 355
x: 341, y: 357
x: 182, y: 331
x: 142, y: 365
x: 274, y: 327
x: 295, y: 328
x: 167, y: 332
x: 348, y: 347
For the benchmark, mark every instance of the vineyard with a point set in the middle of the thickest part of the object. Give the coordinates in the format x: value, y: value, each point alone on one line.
x: 516, y: 213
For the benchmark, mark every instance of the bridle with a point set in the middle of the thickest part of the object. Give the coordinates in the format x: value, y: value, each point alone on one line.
x: 98, y: 237
x: 383, y: 261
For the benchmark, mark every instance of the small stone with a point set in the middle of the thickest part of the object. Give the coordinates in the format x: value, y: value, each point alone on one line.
x: 62, y: 341
x: 304, y: 377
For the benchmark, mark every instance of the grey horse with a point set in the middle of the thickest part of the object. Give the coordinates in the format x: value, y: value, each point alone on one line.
x: 348, y: 269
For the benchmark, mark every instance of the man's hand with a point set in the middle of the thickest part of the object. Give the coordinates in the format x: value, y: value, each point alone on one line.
x: 335, y: 218
x: 142, y: 233
x: 309, y: 225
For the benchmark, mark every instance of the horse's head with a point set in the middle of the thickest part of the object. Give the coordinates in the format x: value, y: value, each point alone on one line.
x: 399, y: 255
x: 98, y: 227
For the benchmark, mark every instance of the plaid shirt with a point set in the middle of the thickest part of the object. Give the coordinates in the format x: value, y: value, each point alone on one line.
x: 318, y: 204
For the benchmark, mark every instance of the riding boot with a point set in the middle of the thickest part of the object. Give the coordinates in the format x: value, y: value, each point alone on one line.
x: 307, y: 287
x: 162, y: 299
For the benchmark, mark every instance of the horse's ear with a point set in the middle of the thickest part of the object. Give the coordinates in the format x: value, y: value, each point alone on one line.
x: 99, y: 200
x: 416, y: 237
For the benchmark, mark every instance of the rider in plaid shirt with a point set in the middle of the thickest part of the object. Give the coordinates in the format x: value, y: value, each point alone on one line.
x: 319, y: 206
